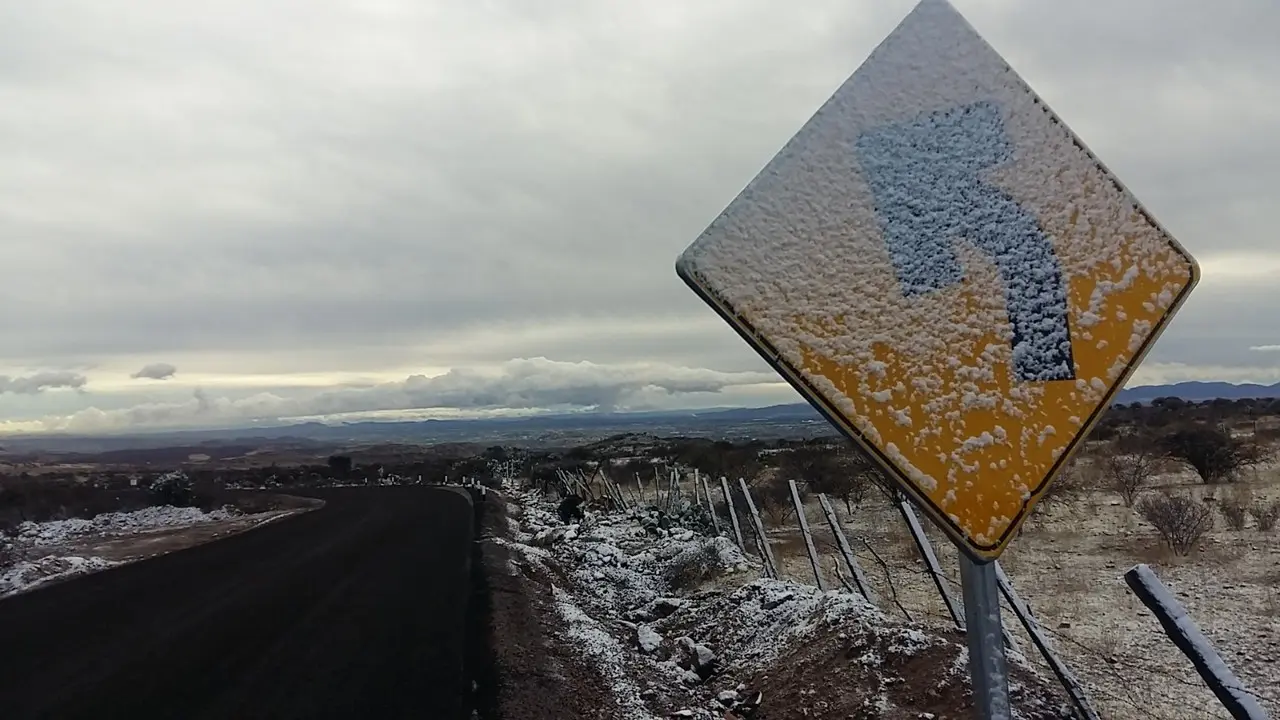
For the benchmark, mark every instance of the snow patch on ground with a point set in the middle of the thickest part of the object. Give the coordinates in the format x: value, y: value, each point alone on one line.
x: 26, y: 575
x: 33, y: 534
x: 30, y: 539
x: 673, y: 620
x: 605, y: 651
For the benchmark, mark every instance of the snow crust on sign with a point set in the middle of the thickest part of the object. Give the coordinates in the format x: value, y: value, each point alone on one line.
x: 940, y: 260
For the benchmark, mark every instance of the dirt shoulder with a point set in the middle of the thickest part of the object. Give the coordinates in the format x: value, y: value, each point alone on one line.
x: 532, y: 672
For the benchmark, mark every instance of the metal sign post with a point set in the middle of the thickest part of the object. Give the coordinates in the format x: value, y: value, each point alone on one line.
x: 988, y: 667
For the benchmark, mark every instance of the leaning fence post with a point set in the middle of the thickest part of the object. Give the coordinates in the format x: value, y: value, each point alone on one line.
x: 759, y: 526
x: 733, y: 514
x: 859, y: 579
x: 808, y: 539
x: 930, y: 560
x: 935, y: 570
x: 1183, y: 632
x: 1038, y: 638
x: 711, y: 506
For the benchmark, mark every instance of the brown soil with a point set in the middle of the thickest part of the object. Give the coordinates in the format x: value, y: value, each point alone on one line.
x: 821, y: 678
x: 534, y: 673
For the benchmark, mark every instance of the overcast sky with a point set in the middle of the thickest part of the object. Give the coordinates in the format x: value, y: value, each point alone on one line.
x: 213, y: 212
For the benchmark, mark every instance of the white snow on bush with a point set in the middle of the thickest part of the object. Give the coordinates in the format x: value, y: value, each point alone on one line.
x: 33, y: 534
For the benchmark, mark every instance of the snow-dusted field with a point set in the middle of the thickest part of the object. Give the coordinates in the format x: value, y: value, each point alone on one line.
x: 695, y: 642
x: 1068, y: 566
x: 49, y: 551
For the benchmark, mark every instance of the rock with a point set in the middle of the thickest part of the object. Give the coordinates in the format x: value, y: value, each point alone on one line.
x: 550, y: 536
x: 727, y: 697
x: 682, y: 713
x: 664, y: 607
x: 648, y: 694
x: 703, y: 660
x: 775, y: 600
x: 1064, y: 625
x: 648, y: 638
x: 690, y: 678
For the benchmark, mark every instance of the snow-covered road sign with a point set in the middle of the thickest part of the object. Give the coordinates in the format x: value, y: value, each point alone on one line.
x: 938, y: 264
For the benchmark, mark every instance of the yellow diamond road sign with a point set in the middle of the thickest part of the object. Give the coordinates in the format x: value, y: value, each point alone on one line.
x: 939, y: 265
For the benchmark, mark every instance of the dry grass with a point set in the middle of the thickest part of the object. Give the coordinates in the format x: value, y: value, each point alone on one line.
x: 1067, y: 566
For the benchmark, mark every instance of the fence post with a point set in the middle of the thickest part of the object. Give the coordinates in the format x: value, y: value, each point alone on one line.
x: 859, y: 579
x: 808, y: 540
x: 930, y: 560
x: 733, y: 514
x: 759, y: 526
x: 711, y: 506
x: 1038, y: 638
x: 1183, y: 632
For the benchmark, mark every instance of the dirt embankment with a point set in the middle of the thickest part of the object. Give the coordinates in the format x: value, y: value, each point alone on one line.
x: 526, y: 671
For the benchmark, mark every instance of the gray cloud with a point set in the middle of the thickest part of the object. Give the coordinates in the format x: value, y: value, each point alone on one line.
x: 419, y: 183
x: 155, y: 371
x: 527, y: 383
x: 41, y: 381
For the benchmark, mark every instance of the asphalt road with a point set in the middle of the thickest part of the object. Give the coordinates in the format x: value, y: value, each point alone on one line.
x: 354, y: 610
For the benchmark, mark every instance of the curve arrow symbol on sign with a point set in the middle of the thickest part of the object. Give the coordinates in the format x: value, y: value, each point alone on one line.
x: 927, y: 179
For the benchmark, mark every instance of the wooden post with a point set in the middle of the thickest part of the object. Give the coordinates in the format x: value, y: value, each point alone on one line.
x: 1038, y: 638
x: 733, y: 514
x: 711, y: 506
x: 808, y: 539
x: 1180, y: 628
x: 759, y: 526
x: 846, y: 552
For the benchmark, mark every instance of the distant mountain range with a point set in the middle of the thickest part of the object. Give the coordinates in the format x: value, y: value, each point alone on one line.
x: 793, y: 420
x: 1197, y: 391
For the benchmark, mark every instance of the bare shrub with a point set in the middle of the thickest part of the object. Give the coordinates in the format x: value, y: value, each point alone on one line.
x: 1234, y: 506
x: 1234, y: 513
x: 1265, y: 514
x: 173, y: 488
x: 1127, y: 473
x: 1212, y: 451
x: 694, y: 567
x: 1181, y: 521
x: 1074, y: 480
x: 772, y: 495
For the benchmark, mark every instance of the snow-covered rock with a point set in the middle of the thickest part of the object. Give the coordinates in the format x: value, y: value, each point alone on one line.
x: 647, y: 638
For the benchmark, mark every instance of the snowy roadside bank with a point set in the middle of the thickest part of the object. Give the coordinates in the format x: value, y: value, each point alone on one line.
x: 35, y: 554
x: 678, y: 624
